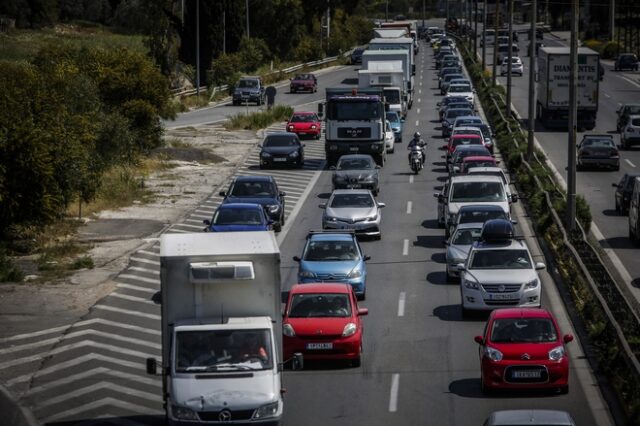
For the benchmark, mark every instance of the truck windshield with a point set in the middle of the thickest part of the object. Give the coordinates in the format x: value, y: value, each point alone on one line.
x: 222, y: 350
x: 350, y: 110
x: 392, y: 96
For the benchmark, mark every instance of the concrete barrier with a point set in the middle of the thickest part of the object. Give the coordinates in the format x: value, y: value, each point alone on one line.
x: 12, y: 412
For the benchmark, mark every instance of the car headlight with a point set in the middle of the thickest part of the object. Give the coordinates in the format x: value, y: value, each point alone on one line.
x: 557, y: 353
x: 266, y: 411
x: 471, y: 284
x: 356, y: 273
x: 265, y: 154
x: 273, y: 208
x: 372, y: 218
x: 492, y: 353
x: 331, y: 219
x: 457, y: 261
x: 531, y: 284
x: 183, y: 413
x: 287, y: 330
x: 313, y: 127
x: 307, y: 274
x: 291, y: 127
x: 349, y: 330
x: 294, y: 154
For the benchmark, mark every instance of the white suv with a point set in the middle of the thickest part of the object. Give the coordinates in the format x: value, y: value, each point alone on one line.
x: 630, y: 132
x: 499, y: 271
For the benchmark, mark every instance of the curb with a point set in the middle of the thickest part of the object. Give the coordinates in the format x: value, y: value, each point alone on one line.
x: 13, y: 413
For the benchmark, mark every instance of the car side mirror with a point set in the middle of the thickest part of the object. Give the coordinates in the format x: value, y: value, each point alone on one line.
x: 366, y: 257
x: 445, y: 243
x: 479, y: 340
x: 514, y: 198
x: 152, y: 366
x: 540, y: 265
x: 568, y: 338
x: 259, y: 146
x: 297, y: 362
x: 207, y: 222
x: 322, y: 205
x: 461, y: 267
x: 363, y: 311
x: 296, y: 258
x: 381, y: 205
x: 439, y: 103
x: 283, y: 194
x: 222, y: 193
x: 615, y: 185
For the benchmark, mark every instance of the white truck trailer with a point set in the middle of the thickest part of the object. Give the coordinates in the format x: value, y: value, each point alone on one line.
x: 390, y: 32
x: 393, y: 44
x: 221, y: 328
x: 390, y: 76
x: 386, y: 55
x: 553, y: 87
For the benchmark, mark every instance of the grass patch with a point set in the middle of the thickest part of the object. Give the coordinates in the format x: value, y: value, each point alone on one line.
x: 259, y: 120
x: 9, y: 272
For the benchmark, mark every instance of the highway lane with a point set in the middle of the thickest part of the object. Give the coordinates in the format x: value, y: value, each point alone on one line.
x: 420, y: 363
x: 616, y: 89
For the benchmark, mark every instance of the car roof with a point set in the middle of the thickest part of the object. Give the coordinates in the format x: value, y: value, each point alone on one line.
x: 465, y: 128
x: 530, y: 417
x: 467, y: 117
x: 481, y: 208
x: 332, y: 236
x: 469, y: 225
x: 320, y: 288
x: 246, y: 206
x: 521, y: 313
x: 350, y: 191
x: 459, y: 109
x: 466, y: 136
x: 478, y: 147
x: 289, y: 134
x: 480, y: 178
x: 367, y: 156
x: 254, y: 178
x: 477, y: 158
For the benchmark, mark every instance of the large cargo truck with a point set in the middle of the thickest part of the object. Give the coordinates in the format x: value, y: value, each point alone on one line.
x: 386, y: 55
x: 390, y: 33
x: 221, y: 328
x: 554, y: 67
x: 354, y: 123
x: 395, y: 44
x: 390, y: 76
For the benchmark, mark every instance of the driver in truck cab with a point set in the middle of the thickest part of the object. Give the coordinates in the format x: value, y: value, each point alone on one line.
x: 253, y: 348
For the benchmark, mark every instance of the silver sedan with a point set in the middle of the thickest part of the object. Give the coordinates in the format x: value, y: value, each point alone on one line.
x: 354, y: 209
x: 458, y: 247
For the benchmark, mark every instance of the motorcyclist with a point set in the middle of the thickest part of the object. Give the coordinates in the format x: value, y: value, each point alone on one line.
x: 420, y: 143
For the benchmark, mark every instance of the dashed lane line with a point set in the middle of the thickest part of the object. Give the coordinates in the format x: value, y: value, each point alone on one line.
x: 393, y: 394
x: 409, y: 206
x: 401, y: 302
x: 127, y: 311
x: 629, y: 162
x: 405, y: 247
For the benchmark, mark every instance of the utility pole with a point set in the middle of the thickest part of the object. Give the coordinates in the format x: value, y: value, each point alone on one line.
x: 423, y: 15
x: 198, y: 48
x: 475, y: 33
x: 532, y: 80
x: 495, y: 44
x: 224, y: 31
x: 446, y: 24
x: 612, y: 19
x: 247, y: 7
x: 573, y: 120
x: 484, y: 36
x: 510, y: 56
x: 386, y: 11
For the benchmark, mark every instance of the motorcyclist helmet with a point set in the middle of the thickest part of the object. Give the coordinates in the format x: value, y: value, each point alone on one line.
x: 416, y: 135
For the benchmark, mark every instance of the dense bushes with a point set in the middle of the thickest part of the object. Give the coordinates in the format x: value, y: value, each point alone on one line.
x: 611, y: 50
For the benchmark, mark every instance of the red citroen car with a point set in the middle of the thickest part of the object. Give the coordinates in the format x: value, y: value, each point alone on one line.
x: 304, y: 123
x: 523, y: 349
x: 322, y: 321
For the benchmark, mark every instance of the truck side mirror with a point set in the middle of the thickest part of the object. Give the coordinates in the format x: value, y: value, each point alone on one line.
x: 297, y: 362
x: 284, y: 296
x: 152, y: 366
x: 387, y: 107
x: 320, y: 109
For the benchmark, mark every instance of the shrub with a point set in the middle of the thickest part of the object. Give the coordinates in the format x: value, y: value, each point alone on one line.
x: 224, y: 69
x: 596, y: 45
x: 8, y: 271
x: 259, y: 120
x: 611, y: 49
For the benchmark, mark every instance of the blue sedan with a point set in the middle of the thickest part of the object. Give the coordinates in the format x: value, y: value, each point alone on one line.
x: 234, y: 217
x: 396, y: 124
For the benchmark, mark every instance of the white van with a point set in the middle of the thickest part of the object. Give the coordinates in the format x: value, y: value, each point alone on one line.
x: 489, y: 36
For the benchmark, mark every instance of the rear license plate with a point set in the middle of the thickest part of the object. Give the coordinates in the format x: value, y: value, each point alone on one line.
x: 354, y: 149
x: 279, y: 159
x: 313, y: 346
x: 500, y: 296
x: 527, y: 374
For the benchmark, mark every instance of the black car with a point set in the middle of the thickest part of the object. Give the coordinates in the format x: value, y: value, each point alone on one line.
x: 356, y: 55
x: 450, y: 117
x: 623, y: 192
x: 282, y: 148
x: 356, y: 171
x: 598, y: 151
x: 261, y: 190
x: 627, y: 61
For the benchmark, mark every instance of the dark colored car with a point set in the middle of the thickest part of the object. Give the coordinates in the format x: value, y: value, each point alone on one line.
x: 454, y: 105
x: 236, y: 217
x: 450, y: 117
x: 452, y: 64
x: 282, y: 148
x: 356, y: 55
x: 356, y: 171
x: 304, y: 83
x: 261, y: 190
x: 623, y: 192
x: 624, y: 112
x: 598, y: 151
x: 628, y: 61
x: 249, y: 89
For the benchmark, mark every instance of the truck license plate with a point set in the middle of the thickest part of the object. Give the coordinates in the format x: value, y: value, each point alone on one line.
x: 526, y: 374
x: 320, y: 345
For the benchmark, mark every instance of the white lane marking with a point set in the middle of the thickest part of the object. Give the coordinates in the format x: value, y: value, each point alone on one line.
x: 420, y: 91
x: 99, y: 386
x: 127, y: 312
x: 405, y: 247
x: 142, y: 279
x: 137, y: 288
x: 630, y: 81
x: 417, y: 123
x: 420, y: 83
x: 409, y: 206
x: 418, y: 110
x: 411, y: 179
x: 145, y: 270
x: 607, y: 96
x: 419, y: 100
x: 401, y: 300
x: 34, y: 334
x: 104, y: 402
x: 393, y: 397
x: 630, y: 163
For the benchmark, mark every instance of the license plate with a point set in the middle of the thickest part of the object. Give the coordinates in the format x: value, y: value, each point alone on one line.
x: 526, y: 374
x: 279, y: 159
x: 354, y: 149
x: 312, y: 346
x: 500, y: 296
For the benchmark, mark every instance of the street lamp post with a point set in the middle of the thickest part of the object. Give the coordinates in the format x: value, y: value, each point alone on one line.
x: 484, y: 36
x: 198, y: 49
x: 510, y: 56
x: 573, y: 121
x: 247, y: 7
x: 495, y: 44
x: 532, y: 81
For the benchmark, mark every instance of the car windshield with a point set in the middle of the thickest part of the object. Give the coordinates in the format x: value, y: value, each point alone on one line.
x: 459, y: 88
x: 248, y: 84
x: 462, y: 192
x: 523, y: 330
x: 449, y: 77
x: 500, y: 259
x: 303, y: 118
x: 453, y: 113
x: 635, y: 122
x: 237, y: 216
x: 456, y: 131
x: 480, y: 216
x: 393, y: 117
x: 303, y: 77
x: 466, y: 141
x: 465, y: 121
x: 223, y: 350
x: 252, y: 189
x: 360, y: 163
x: 487, y: 172
x: 598, y: 143
x: 325, y: 251
x: 351, y: 200
x: 474, y: 151
x: 454, y: 105
x: 392, y: 96
x: 479, y: 163
x: 354, y: 110
x: 320, y: 306
x: 280, y: 141
x: 466, y: 237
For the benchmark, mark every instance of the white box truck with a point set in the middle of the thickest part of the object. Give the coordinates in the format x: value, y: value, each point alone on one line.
x: 385, y: 55
x: 390, y: 32
x: 553, y: 87
x: 221, y: 328
x: 390, y: 76
x: 393, y: 44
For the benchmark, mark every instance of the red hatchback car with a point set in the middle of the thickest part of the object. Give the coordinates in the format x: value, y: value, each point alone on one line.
x: 457, y: 140
x: 323, y: 322
x: 523, y: 349
x: 477, y: 161
x: 304, y: 123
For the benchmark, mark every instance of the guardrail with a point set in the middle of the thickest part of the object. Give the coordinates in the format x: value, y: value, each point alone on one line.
x: 191, y: 92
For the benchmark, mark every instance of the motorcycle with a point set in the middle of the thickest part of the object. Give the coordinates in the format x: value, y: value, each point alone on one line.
x: 415, y: 159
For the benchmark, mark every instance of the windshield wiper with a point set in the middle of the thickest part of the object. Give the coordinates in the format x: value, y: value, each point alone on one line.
x: 218, y: 367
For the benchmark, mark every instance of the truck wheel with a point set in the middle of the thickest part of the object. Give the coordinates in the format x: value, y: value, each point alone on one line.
x: 277, y: 227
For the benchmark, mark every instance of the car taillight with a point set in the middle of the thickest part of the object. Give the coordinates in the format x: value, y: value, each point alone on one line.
x: 614, y: 153
x: 630, y: 129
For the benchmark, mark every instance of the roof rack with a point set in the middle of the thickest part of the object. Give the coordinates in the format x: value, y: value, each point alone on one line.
x: 497, y: 231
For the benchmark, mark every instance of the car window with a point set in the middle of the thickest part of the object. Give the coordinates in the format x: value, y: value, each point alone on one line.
x: 630, y: 182
x: 393, y: 117
x: 598, y: 143
x: 466, y: 236
x: 303, y: 118
x: 453, y: 113
x: 523, y: 330
x: 477, y: 192
x: 500, y: 259
x: 320, y: 306
x: 635, y: 122
x: 248, y: 83
x: 252, y: 189
x: 459, y: 88
x: 280, y: 141
x: 354, y: 164
x: 351, y: 200
x: 319, y: 251
x: 239, y: 216
x: 466, y: 141
x: 475, y: 216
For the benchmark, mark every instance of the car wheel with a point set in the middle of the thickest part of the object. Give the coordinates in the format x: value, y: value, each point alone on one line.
x: 618, y: 209
x: 375, y: 192
x: 484, y: 388
x: 277, y: 227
